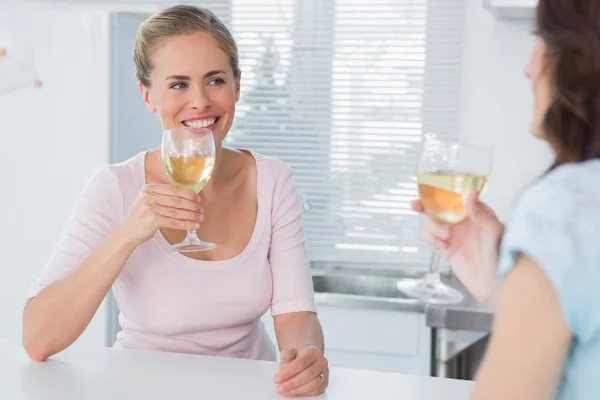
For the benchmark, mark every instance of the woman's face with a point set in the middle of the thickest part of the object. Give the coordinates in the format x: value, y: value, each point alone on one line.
x: 537, y: 72
x: 192, y: 84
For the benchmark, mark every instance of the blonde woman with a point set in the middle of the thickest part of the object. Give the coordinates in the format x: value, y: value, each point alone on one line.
x: 128, y: 214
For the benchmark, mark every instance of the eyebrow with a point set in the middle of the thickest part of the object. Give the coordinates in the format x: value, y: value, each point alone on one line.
x: 187, y: 78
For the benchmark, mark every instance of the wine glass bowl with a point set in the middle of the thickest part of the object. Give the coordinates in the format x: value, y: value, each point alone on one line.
x: 188, y: 156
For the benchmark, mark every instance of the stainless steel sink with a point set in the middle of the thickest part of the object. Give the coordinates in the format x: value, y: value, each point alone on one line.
x: 359, y: 285
x: 363, y: 290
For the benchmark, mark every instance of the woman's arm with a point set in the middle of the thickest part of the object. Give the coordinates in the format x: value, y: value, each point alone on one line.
x: 83, y: 265
x: 304, y: 370
x: 298, y: 329
x: 59, y: 314
x: 530, y: 339
x: 93, y: 249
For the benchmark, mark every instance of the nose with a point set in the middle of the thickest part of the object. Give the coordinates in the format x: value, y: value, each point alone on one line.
x: 201, y: 100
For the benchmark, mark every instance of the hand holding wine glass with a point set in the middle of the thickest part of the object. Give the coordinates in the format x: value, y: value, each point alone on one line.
x: 161, y: 206
x: 448, y: 173
x: 471, y: 247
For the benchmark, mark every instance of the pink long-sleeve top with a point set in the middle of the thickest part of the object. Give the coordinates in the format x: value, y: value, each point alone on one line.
x: 170, y: 302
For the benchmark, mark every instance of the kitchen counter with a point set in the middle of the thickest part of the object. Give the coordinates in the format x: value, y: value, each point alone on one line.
x: 469, y: 315
x: 460, y: 333
x: 112, y: 373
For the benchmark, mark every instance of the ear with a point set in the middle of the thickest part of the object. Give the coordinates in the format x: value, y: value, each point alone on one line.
x: 146, y: 96
x: 237, y: 87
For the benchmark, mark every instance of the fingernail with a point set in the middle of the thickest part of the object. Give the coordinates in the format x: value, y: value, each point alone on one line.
x: 280, y: 389
x: 196, y: 226
x: 202, y: 218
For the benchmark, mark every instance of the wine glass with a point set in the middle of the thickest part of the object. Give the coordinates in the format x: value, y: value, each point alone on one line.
x: 188, y: 156
x: 448, y: 172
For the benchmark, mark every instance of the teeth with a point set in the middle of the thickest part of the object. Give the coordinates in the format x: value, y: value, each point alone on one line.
x: 200, y: 123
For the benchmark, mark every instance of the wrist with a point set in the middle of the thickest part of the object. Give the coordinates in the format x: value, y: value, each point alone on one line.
x: 124, y: 240
x: 488, y: 294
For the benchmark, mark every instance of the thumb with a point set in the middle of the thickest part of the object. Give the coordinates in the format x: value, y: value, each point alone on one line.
x: 476, y: 212
x: 287, y: 356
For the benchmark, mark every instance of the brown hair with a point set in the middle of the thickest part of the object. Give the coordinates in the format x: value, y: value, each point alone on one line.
x: 175, y: 21
x: 571, y: 31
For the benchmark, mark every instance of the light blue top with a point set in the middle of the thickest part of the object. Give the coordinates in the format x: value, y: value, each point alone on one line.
x: 556, y: 223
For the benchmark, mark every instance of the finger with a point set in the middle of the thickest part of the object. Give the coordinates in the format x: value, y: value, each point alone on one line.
x: 321, y: 389
x: 314, y: 385
x: 177, y: 224
x: 302, y: 379
x: 417, y: 206
x: 298, y: 365
x: 472, y: 201
x: 486, y: 208
x: 177, y: 202
x: 434, y: 242
x: 176, y: 213
x: 172, y: 190
x: 316, y: 393
x: 477, y: 211
x: 287, y: 356
x: 436, y: 230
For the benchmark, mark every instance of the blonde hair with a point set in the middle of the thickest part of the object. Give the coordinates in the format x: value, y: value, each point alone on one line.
x: 175, y: 21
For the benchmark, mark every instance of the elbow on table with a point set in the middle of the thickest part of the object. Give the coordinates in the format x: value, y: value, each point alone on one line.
x: 34, y: 350
x: 32, y: 342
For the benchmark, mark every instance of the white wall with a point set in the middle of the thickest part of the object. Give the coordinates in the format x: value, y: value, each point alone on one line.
x: 52, y: 140
x: 497, y: 102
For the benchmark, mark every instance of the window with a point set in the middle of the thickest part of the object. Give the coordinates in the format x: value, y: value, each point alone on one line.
x: 343, y: 91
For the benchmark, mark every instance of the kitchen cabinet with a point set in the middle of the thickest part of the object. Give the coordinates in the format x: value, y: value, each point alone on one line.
x: 371, y: 339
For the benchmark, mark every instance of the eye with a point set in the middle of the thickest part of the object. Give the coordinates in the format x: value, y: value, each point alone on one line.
x: 179, y: 85
x: 216, y: 82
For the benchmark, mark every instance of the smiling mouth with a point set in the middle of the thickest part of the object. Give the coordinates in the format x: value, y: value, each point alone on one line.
x: 201, y: 123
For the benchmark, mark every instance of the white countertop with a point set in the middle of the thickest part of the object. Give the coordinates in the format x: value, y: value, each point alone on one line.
x: 112, y: 374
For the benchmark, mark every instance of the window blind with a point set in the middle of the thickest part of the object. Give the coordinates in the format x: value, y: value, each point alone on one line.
x: 343, y: 91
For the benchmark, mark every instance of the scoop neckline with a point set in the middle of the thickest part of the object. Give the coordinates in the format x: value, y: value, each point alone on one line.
x: 161, y: 242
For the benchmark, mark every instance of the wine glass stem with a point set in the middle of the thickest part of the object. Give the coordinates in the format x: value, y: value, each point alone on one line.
x: 191, y: 236
x: 433, y: 276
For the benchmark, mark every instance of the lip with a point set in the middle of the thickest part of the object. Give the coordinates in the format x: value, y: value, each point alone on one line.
x: 202, y: 118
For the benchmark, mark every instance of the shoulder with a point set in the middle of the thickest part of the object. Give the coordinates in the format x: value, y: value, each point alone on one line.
x: 127, y: 172
x: 276, y: 176
x: 555, y: 221
x: 113, y: 181
x: 563, y: 195
x: 272, y: 167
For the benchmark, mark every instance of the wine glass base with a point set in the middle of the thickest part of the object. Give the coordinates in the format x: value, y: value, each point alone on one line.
x: 430, y: 292
x: 193, y: 246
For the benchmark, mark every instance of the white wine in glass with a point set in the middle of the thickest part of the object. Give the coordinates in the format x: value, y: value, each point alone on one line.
x: 443, y: 194
x: 188, y: 156
x: 448, y: 173
x: 191, y: 173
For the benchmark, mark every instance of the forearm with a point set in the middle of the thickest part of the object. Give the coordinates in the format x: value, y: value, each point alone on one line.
x: 59, y: 314
x: 296, y: 330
